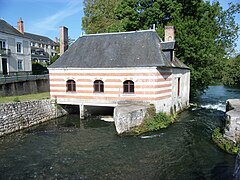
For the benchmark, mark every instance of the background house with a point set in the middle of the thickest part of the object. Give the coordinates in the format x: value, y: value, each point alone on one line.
x: 42, y: 47
x: 113, y: 68
x: 15, y: 51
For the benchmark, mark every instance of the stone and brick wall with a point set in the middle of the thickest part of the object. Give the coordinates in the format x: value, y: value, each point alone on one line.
x: 20, y: 115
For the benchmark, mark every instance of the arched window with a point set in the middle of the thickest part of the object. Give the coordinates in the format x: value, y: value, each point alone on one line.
x: 128, y: 86
x: 71, y: 86
x: 98, y: 86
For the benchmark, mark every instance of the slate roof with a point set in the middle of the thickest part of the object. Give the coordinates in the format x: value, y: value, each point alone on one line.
x: 39, y: 38
x: 8, y: 29
x: 129, y: 49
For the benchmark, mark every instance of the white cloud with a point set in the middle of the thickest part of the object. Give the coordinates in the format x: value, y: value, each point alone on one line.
x: 52, y: 23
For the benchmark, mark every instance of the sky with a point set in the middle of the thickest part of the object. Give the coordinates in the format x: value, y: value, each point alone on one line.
x: 44, y: 17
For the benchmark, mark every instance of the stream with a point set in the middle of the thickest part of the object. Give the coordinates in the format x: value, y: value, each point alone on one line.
x: 70, y: 148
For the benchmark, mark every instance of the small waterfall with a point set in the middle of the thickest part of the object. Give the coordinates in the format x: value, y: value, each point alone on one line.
x: 219, y: 106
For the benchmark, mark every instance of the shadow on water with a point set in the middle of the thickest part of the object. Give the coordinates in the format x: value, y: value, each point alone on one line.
x: 70, y: 148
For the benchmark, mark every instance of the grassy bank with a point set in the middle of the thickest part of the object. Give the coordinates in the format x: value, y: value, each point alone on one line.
x: 224, y: 143
x: 153, y: 122
x: 26, y: 97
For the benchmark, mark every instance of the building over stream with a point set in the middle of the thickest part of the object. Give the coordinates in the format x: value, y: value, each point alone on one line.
x: 127, y: 67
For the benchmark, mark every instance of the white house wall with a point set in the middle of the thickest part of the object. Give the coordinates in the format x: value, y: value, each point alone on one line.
x: 12, y: 59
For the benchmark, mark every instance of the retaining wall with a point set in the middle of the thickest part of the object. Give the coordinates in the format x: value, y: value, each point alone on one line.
x: 20, y: 115
x: 129, y: 116
x: 24, y: 87
x: 232, y: 130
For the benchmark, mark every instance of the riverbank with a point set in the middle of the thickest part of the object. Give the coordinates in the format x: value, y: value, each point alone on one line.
x: 26, y: 97
x: 20, y: 115
x: 228, y: 138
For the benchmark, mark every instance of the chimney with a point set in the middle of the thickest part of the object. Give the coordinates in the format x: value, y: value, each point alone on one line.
x: 169, y: 34
x: 56, y: 40
x: 63, y: 39
x: 20, y: 26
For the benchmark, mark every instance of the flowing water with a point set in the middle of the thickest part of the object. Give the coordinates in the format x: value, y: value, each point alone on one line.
x: 70, y: 148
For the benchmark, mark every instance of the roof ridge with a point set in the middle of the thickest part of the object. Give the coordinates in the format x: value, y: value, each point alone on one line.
x: 115, y: 33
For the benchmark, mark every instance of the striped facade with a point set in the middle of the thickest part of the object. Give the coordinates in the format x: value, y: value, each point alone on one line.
x: 151, y: 84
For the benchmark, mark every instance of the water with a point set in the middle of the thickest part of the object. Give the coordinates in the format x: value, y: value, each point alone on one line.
x: 70, y: 148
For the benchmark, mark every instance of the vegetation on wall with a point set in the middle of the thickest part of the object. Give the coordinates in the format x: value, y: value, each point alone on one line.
x: 205, y: 33
x: 223, y: 143
x: 152, y: 122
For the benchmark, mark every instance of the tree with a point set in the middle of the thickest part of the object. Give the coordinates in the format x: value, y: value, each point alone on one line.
x: 205, y: 33
x: 99, y: 15
x: 231, y: 73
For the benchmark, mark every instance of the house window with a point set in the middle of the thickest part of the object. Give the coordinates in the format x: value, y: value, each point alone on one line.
x: 20, y: 64
x: 2, y: 44
x: 19, y: 47
x: 179, y: 86
x: 128, y: 86
x: 71, y: 86
x: 98, y: 86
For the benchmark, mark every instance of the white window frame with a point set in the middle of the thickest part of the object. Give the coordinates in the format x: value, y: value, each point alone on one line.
x: 20, y: 62
x: 4, y: 42
x: 21, y: 47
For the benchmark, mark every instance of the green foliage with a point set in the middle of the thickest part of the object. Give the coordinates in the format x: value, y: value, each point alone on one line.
x: 160, y: 120
x: 205, y: 33
x: 16, y: 99
x: 54, y: 58
x: 38, y: 68
x: 153, y: 122
x: 231, y: 72
x: 99, y: 15
x: 223, y: 143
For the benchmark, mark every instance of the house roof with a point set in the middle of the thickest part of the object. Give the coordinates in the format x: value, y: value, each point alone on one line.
x: 8, y: 29
x: 39, y: 38
x: 168, y: 45
x: 110, y: 50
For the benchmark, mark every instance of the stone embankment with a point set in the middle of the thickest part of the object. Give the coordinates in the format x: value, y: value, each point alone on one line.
x: 232, y: 130
x: 128, y: 116
x: 20, y: 115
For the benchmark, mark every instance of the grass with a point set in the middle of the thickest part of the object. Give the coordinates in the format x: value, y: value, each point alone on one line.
x: 223, y: 143
x: 27, y: 97
x: 153, y: 122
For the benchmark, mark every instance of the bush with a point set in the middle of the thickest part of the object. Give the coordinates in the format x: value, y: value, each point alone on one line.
x: 38, y: 68
x: 153, y: 122
x: 16, y: 99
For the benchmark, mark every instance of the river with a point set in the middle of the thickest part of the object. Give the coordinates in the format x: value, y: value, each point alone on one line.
x: 70, y: 148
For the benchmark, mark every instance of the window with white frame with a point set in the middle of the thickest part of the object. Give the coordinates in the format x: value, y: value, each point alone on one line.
x: 2, y: 44
x: 19, y: 47
x: 20, y: 64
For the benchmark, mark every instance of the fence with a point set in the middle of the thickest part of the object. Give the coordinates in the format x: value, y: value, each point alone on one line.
x: 18, y: 78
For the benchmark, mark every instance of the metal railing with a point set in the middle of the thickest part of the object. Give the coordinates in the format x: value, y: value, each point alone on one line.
x: 5, y: 52
x: 18, y: 78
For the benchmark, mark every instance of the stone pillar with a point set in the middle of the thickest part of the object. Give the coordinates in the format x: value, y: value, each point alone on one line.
x: 81, y: 109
